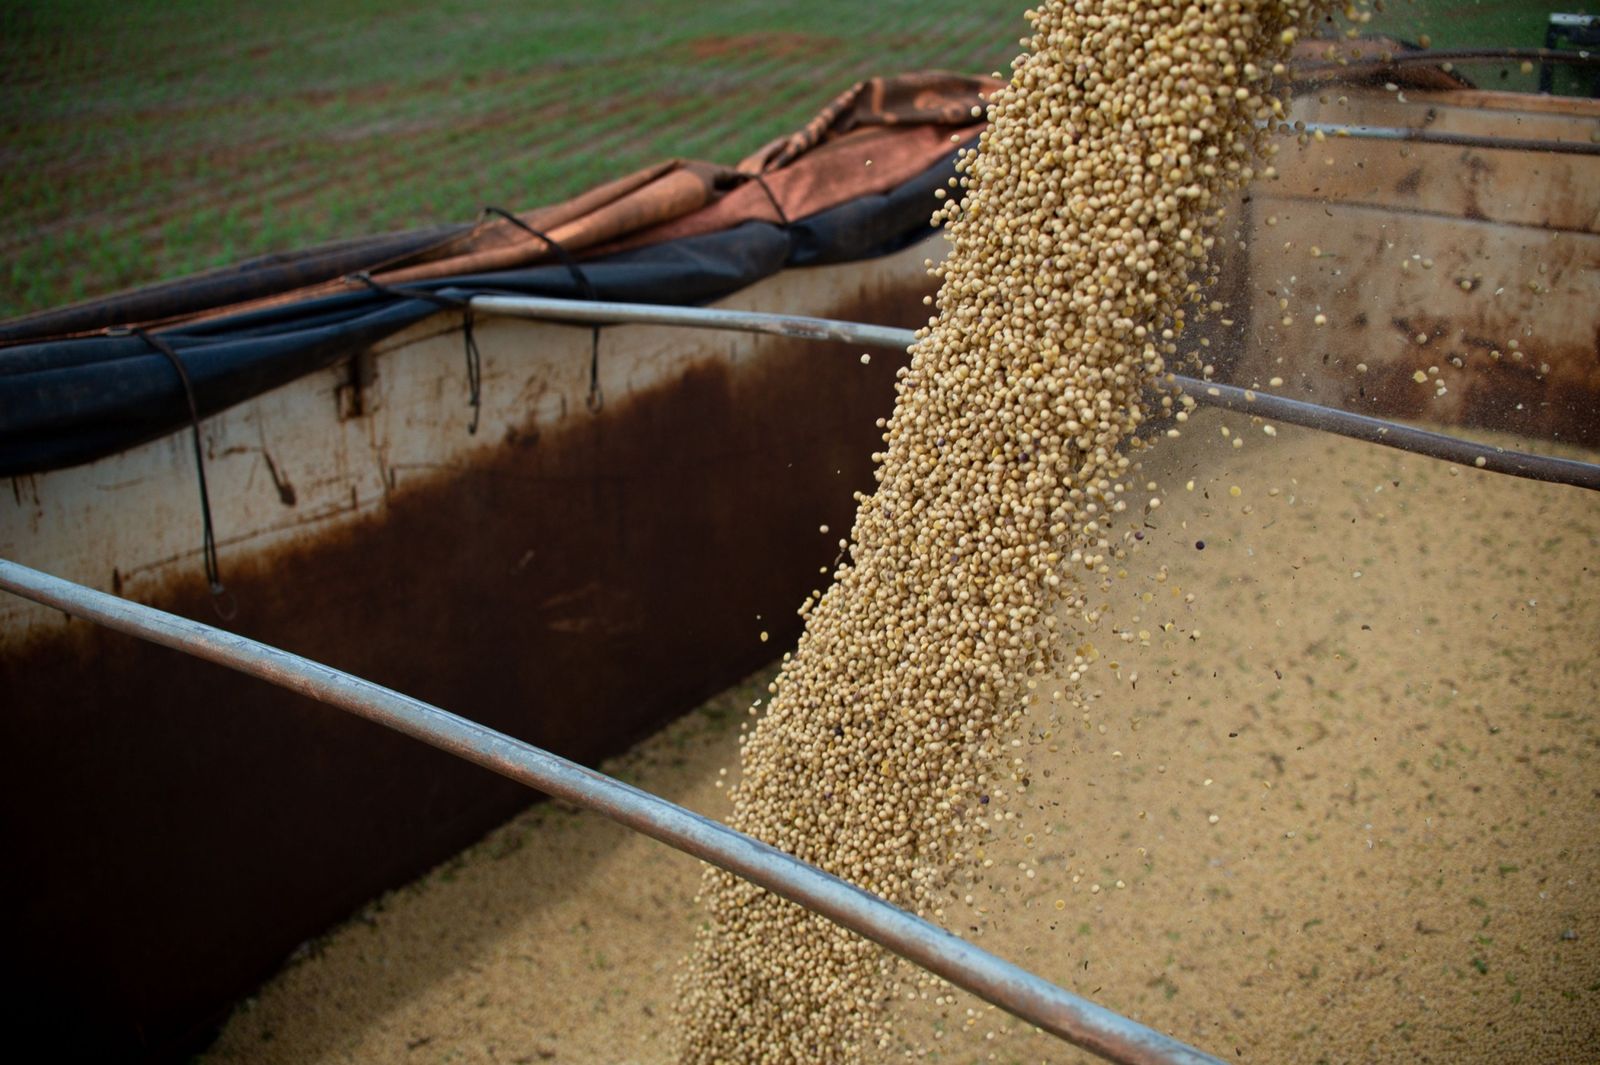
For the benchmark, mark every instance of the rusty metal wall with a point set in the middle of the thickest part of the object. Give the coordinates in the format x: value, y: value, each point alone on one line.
x: 572, y: 578
x: 1475, y: 267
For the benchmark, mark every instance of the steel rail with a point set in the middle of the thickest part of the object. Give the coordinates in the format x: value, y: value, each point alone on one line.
x: 1427, y: 56
x: 604, y: 313
x: 1339, y: 131
x: 1309, y: 69
x: 1397, y: 435
x: 1229, y: 397
x: 1013, y: 989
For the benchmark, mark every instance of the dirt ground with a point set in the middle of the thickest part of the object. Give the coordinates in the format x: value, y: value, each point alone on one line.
x: 1338, y: 807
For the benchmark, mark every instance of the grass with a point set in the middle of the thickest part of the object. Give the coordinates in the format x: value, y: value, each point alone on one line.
x: 1472, y: 24
x: 143, y: 141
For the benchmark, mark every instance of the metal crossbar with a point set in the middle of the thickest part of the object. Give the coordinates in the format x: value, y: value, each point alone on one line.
x: 1453, y: 140
x: 1211, y: 393
x: 1013, y: 989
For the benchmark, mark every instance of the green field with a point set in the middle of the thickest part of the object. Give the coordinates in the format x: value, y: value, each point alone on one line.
x: 145, y: 140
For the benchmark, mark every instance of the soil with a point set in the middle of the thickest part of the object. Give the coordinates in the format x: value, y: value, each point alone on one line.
x: 1338, y: 807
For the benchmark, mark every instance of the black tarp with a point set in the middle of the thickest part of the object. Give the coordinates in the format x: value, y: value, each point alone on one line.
x: 73, y: 400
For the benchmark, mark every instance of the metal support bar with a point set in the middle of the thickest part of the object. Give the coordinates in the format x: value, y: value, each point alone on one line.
x: 1453, y: 140
x: 1397, y: 435
x: 788, y: 325
x: 1280, y: 408
x: 1013, y: 989
x: 1438, y: 57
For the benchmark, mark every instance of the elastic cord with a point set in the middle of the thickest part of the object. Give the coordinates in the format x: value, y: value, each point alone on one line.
x: 223, y: 607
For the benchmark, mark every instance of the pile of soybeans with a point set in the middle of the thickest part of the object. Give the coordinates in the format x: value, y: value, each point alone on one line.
x: 1084, y: 228
x: 1339, y: 807
x: 1288, y: 751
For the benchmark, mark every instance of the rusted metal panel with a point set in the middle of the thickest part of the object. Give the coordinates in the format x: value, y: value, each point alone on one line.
x: 182, y: 829
x: 1545, y: 190
x: 1502, y: 316
x: 1370, y: 263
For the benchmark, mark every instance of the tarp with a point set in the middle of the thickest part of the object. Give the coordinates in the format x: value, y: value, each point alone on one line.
x: 855, y: 182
